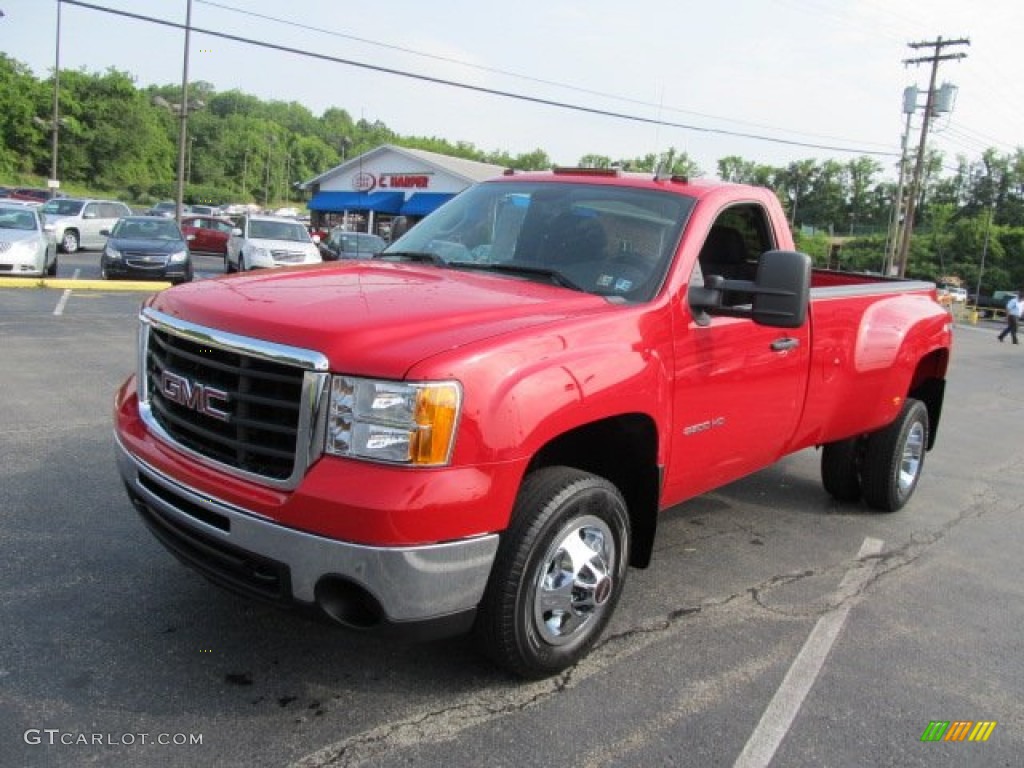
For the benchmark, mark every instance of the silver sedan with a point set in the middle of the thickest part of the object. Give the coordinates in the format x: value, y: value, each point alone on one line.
x: 27, y: 247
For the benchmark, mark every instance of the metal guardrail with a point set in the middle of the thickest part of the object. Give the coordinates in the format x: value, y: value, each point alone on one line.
x: 975, y: 313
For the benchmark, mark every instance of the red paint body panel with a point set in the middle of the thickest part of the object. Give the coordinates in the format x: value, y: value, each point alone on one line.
x: 211, y: 237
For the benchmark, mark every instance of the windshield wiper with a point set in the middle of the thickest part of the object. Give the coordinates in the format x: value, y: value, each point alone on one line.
x: 422, y: 256
x: 553, y: 275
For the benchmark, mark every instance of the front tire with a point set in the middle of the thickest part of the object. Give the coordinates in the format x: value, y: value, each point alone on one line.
x: 558, y: 574
x: 894, y: 458
x: 70, y: 242
x: 52, y: 269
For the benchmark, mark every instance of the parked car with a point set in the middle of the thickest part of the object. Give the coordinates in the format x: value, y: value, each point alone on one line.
x: 209, y: 234
x: 33, y: 194
x: 270, y: 241
x: 959, y: 294
x: 78, y: 222
x: 146, y: 247
x: 341, y: 244
x: 952, y: 294
x: 26, y: 246
x: 203, y: 210
x: 166, y: 208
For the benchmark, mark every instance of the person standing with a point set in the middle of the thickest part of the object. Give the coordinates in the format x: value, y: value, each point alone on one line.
x: 1013, y: 311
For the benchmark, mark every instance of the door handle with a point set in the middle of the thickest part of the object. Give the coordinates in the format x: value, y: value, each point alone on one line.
x: 786, y: 344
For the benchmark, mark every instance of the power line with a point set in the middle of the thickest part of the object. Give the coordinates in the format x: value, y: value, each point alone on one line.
x: 477, y: 88
x: 515, y: 75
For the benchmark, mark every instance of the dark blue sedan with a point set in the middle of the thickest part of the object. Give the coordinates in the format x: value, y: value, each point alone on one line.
x: 146, y: 247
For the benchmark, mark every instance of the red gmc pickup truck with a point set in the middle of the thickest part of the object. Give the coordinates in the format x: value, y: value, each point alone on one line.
x: 477, y: 429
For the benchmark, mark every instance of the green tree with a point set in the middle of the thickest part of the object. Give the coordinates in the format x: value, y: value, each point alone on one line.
x: 595, y: 161
x: 115, y: 139
x: 22, y: 98
x: 861, y: 174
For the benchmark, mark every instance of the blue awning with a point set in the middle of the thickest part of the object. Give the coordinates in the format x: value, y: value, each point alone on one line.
x: 422, y: 203
x: 336, y: 202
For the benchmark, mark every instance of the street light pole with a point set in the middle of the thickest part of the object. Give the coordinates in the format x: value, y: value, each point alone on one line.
x: 55, y: 128
x: 245, y: 173
x: 266, y: 183
x: 183, y: 128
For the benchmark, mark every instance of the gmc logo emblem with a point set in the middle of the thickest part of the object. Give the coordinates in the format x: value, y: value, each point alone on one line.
x: 194, y: 396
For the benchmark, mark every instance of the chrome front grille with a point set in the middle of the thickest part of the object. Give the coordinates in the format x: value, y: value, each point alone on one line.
x: 250, y: 407
x: 144, y: 260
x: 288, y: 257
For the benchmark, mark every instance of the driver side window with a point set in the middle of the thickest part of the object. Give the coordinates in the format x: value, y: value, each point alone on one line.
x: 733, y: 248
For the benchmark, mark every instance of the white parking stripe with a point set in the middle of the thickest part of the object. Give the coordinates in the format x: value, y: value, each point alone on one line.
x: 784, y: 706
x: 59, y: 309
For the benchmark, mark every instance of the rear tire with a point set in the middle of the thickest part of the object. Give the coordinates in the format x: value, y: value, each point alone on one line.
x: 894, y: 458
x: 558, y: 574
x: 840, y: 469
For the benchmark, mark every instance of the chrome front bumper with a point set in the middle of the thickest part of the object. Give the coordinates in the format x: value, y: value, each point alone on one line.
x: 410, y: 584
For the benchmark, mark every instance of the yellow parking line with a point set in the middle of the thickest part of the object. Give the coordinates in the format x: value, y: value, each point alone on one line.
x: 84, y: 285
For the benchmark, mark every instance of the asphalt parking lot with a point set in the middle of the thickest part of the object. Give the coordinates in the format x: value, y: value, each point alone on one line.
x: 774, y: 627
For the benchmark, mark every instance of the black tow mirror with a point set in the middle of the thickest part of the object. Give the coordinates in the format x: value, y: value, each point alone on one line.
x: 782, y: 289
x: 779, y: 294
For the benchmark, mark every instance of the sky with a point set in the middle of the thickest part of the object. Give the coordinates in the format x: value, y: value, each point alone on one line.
x: 770, y: 81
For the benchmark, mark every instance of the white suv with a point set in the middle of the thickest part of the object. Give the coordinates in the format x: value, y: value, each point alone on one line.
x: 77, y: 223
x: 269, y: 241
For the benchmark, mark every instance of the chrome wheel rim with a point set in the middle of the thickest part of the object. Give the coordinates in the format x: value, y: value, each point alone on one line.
x: 910, y: 461
x: 575, y: 580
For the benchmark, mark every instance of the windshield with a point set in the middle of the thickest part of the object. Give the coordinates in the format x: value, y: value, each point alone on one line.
x: 17, y: 218
x: 63, y: 207
x: 602, y: 239
x: 146, y: 229
x: 278, y: 230
x: 357, y: 242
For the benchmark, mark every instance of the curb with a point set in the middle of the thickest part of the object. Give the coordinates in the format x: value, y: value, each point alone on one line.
x: 84, y: 285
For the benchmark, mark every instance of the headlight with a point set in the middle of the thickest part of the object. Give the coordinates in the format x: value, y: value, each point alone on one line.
x: 260, y: 254
x: 393, y: 422
x: 178, y: 257
x: 111, y: 253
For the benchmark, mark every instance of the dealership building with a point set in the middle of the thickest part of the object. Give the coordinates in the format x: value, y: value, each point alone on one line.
x: 368, y: 192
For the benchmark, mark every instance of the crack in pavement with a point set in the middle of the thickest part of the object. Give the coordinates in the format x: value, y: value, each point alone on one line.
x: 435, y: 726
x: 886, y: 562
x: 443, y: 724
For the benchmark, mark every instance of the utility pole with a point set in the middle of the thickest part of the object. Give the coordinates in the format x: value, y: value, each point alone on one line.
x: 915, y: 183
